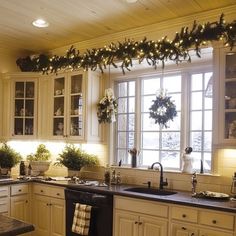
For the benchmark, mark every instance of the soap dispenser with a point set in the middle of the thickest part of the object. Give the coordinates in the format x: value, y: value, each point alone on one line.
x: 233, y: 186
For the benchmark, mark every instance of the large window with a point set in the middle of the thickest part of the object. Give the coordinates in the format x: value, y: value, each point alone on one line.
x: 191, y: 127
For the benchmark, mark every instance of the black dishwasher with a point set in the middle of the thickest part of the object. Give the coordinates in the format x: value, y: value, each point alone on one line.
x: 101, y: 213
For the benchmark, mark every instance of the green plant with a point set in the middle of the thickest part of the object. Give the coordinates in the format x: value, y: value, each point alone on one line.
x: 74, y: 158
x: 8, y: 156
x: 42, y: 154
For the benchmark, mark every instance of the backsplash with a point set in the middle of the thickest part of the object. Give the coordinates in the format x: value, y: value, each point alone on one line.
x: 220, y: 181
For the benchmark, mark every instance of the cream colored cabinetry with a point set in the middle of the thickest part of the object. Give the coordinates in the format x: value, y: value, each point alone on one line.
x: 20, y: 105
x: 225, y: 96
x: 48, y: 210
x: 72, y: 108
x: 134, y: 217
x: 20, y: 202
x: 200, y: 222
x: 4, y: 200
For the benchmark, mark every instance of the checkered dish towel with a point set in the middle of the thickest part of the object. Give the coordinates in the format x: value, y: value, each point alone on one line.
x: 81, y: 220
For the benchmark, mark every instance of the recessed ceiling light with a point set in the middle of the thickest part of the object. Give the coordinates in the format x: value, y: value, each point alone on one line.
x: 131, y: 1
x: 40, y: 23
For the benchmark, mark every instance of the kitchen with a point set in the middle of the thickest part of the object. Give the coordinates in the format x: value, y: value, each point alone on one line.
x: 100, y: 139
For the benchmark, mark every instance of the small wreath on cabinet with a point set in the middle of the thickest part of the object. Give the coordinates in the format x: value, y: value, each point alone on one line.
x: 107, y: 108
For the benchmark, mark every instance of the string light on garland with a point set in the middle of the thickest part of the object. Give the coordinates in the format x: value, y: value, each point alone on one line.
x: 163, y: 109
x: 153, y: 52
x: 107, y: 107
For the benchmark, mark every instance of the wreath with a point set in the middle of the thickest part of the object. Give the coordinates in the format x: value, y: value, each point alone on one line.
x: 107, y: 108
x: 162, y: 110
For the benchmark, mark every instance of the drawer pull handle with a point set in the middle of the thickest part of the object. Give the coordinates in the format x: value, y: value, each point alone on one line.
x: 19, y: 190
x: 184, y: 216
x: 214, y: 222
x: 58, y: 194
x: 183, y: 228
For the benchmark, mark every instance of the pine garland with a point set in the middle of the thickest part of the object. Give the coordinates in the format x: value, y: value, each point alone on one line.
x: 154, y: 52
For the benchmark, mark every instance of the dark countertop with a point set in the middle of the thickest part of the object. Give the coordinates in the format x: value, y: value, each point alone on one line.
x: 11, y: 227
x: 180, y: 198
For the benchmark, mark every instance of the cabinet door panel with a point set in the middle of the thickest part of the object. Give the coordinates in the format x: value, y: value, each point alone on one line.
x: 57, y: 217
x: 20, y: 208
x: 42, y: 215
x: 126, y: 224
x: 152, y: 226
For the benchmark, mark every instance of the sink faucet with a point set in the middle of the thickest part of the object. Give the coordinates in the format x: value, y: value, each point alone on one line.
x: 162, y: 182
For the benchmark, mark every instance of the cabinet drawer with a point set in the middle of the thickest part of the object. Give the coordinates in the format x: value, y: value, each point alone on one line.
x: 57, y: 192
x: 41, y: 189
x: 216, y: 219
x: 141, y: 206
x: 185, y: 214
x: 179, y: 229
x: 3, y: 205
x: 19, y: 189
x: 209, y: 232
x: 4, y: 191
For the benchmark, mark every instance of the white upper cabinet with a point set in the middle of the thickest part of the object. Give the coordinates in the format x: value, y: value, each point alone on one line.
x: 224, y: 97
x: 68, y: 106
x: 19, y: 106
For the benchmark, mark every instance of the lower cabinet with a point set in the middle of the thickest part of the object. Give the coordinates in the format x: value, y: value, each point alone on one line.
x: 130, y: 220
x: 137, y: 217
x: 191, y: 221
x: 138, y: 224
x: 20, y: 204
x: 48, y: 211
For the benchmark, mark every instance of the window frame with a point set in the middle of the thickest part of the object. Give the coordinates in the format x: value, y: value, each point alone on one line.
x: 185, y: 72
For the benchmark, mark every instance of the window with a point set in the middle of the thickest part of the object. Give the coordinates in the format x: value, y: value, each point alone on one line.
x: 191, y: 127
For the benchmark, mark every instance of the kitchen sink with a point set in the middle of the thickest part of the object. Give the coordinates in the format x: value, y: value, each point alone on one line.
x: 153, y: 191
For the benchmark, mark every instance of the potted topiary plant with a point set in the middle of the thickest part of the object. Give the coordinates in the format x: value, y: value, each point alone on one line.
x: 8, y: 158
x: 74, y: 158
x: 39, y: 161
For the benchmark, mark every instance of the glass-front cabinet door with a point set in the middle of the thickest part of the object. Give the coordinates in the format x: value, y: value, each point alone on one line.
x: 68, y: 106
x: 230, y: 96
x: 76, y: 105
x: 24, y: 108
x: 59, y: 106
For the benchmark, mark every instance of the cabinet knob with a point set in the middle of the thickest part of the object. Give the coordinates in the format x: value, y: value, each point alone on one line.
x: 184, y: 216
x: 136, y: 222
x: 214, y: 222
x: 41, y: 191
x: 192, y: 234
x: 183, y: 228
x: 58, y: 194
x: 140, y: 223
x: 19, y: 190
x: 26, y: 201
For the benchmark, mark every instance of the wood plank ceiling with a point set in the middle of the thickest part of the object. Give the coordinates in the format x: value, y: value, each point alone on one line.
x: 78, y: 20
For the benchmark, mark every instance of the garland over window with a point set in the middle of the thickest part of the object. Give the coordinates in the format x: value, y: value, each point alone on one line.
x: 154, y: 52
x: 162, y: 109
x: 107, y: 108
